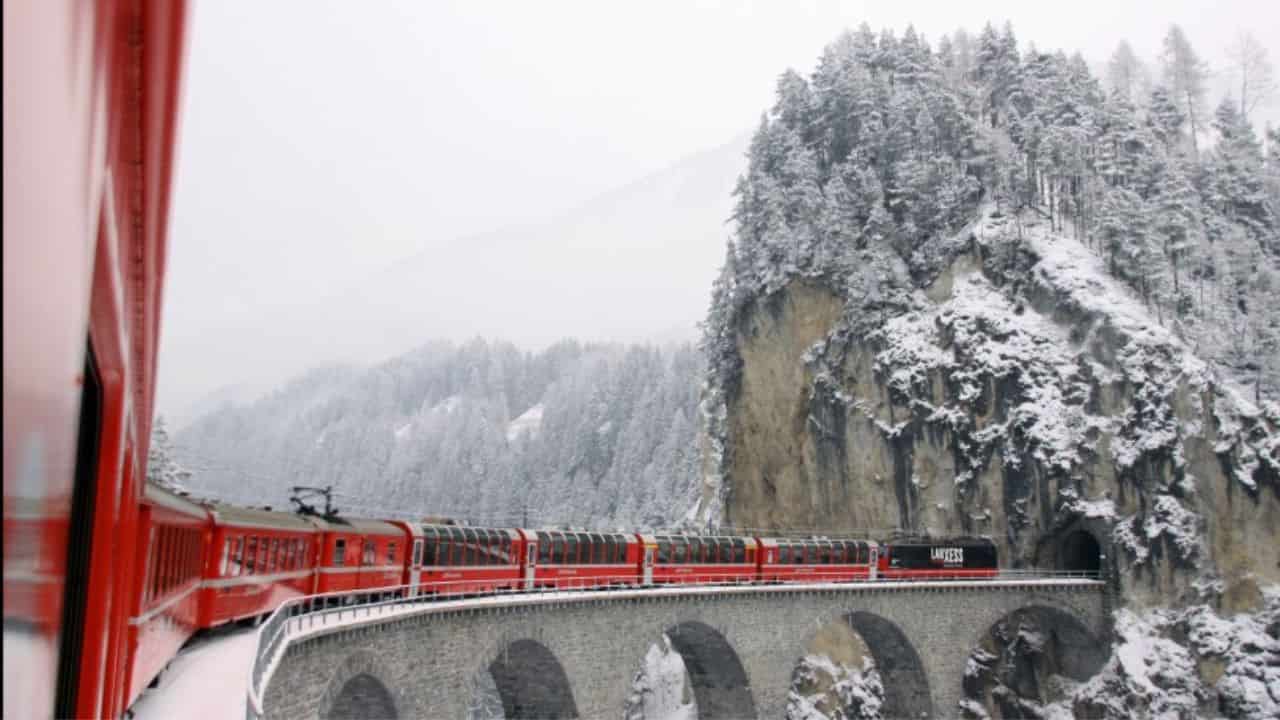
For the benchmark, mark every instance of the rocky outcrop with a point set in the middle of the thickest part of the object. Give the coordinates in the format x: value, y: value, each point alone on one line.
x: 1019, y: 393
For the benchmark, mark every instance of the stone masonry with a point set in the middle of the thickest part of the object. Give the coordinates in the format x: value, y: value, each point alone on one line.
x: 428, y: 662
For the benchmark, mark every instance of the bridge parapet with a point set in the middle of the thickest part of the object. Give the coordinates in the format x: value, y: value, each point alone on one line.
x: 429, y: 656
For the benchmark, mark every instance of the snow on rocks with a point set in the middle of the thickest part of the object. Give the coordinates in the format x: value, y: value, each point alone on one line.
x: 826, y: 690
x: 661, y: 690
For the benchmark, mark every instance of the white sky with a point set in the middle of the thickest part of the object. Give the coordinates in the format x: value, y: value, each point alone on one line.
x: 322, y: 140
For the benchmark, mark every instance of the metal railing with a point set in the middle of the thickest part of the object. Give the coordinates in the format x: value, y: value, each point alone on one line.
x: 301, y: 616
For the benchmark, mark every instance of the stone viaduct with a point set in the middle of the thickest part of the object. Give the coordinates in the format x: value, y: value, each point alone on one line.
x: 577, y: 654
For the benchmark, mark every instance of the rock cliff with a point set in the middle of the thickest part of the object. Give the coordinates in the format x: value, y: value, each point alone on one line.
x: 1021, y: 393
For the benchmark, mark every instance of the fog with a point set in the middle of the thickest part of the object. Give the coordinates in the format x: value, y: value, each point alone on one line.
x: 354, y: 179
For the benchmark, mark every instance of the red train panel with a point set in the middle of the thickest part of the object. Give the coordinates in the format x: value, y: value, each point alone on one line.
x: 814, y: 560
x: 465, y: 560
x: 353, y: 555
x: 257, y: 560
x: 702, y: 559
x: 568, y: 559
x: 173, y: 536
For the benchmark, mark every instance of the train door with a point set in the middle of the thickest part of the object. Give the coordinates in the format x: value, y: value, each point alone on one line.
x: 530, y: 554
x: 875, y: 561
x: 648, y: 565
x: 415, y: 567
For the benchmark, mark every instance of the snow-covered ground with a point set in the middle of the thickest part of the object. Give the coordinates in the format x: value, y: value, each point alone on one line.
x: 206, y: 681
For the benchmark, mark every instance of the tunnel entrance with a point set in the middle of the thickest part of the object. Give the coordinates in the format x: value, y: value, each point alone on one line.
x: 720, y: 686
x: 1081, y: 553
x: 363, y: 696
x: 532, y: 683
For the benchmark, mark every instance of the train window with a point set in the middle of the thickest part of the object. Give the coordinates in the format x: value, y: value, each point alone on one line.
x: 680, y: 548
x: 391, y: 552
x: 570, y: 548
x: 482, y: 547
x: 430, y: 544
x: 238, y: 557
x: 273, y: 555
x: 557, y: 549
x: 417, y: 552
x: 585, y: 548
x: 664, y: 550
x: 495, y: 547
x: 544, y: 548
x: 695, y: 550
x: 505, y: 549
x: 458, y: 546
x: 339, y: 552
x: 250, y: 554
x: 739, y: 550
x: 469, y: 546
x: 598, y: 549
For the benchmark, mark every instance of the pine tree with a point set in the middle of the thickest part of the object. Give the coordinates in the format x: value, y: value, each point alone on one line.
x: 1124, y: 71
x: 1186, y: 76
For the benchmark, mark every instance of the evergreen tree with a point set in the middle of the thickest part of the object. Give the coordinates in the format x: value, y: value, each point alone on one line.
x: 1186, y: 76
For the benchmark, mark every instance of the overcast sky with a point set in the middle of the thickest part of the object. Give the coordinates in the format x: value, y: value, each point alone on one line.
x: 323, y: 140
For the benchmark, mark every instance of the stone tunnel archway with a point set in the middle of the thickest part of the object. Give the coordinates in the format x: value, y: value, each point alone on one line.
x: 720, y: 685
x: 532, y: 683
x: 1080, y: 552
x: 906, y: 684
x: 1012, y: 665
x: 356, y: 690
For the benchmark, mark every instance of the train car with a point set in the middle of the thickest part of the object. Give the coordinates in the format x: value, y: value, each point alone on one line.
x: 353, y: 554
x: 91, y: 96
x: 459, y: 560
x: 173, y: 537
x: 939, y: 559
x: 817, y: 560
x: 257, y: 560
x: 571, y: 559
x: 701, y: 559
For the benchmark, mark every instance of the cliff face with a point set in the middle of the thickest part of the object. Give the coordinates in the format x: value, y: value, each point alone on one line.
x: 1021, y: 394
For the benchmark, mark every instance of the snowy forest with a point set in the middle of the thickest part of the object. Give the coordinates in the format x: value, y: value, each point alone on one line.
x: 588, y: 435
x: 894, y: 142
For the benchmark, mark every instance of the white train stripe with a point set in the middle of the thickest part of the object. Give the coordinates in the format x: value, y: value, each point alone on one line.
x: 148, y: 615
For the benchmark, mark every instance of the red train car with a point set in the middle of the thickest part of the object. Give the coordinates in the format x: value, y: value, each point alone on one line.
x: 460, y: 560
x: 173, y: 535
x: 90, y: 113
x: 701, y: 559
x: 570, y: 559
x: 257, y: 560
x: 814, y: 560
x: 357, y: 554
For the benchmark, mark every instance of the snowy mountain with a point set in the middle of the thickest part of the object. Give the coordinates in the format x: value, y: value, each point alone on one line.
x: 595, y: 435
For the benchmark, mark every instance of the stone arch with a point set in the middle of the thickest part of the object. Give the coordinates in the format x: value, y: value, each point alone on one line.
x: 356, y: 690
x: 720, y: 684
x: 1013, y: 659
x: 906, y: 684
x: 531, y: 682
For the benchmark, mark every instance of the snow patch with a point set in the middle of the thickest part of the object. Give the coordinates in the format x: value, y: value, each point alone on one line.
x: 529, y: 422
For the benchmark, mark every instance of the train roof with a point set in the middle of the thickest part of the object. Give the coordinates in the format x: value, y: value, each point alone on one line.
x: 929, y: 540
x: 256, y: 517
x: 161, y: 495
x: 357, y: 525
